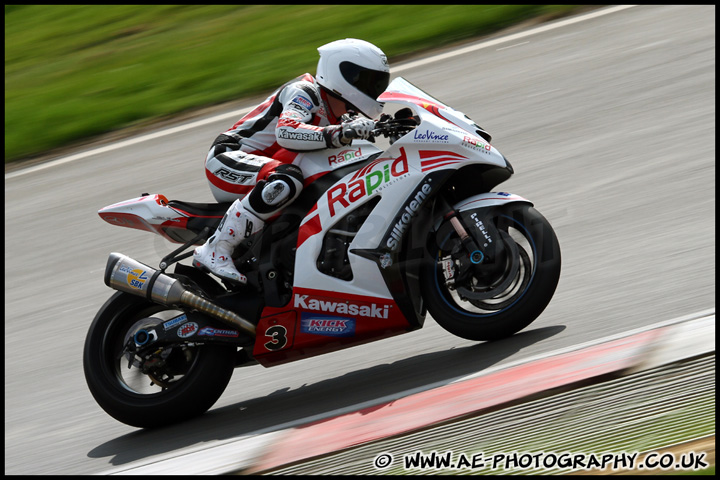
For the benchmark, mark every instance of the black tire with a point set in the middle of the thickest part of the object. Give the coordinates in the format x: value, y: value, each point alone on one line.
x: 204, y: 371
x: 532, y: 284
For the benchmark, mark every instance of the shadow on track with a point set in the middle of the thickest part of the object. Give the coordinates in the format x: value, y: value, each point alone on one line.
x: 285, y: 407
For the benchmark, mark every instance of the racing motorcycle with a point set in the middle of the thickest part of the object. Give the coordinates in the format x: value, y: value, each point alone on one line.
x: 379, y: 239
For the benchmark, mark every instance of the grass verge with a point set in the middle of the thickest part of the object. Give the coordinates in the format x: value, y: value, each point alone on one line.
x: 78, y: 71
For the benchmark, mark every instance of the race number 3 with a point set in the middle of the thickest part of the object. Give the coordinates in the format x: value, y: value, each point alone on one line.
x: 278, y: 334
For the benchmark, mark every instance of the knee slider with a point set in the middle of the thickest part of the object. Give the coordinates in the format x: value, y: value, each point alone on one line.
x: 292, y: 171
x: 284, y: 185
x: 272, y: 194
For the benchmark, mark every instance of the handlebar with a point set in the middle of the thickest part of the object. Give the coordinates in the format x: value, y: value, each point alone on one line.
x: 394, y: 127
x: 388, y: 126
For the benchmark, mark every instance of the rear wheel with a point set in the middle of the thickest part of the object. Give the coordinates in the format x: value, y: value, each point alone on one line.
x: 489, y: 304
x: 164, y: 385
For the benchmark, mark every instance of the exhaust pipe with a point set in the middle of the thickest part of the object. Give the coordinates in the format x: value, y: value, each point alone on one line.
x: 128, y: 275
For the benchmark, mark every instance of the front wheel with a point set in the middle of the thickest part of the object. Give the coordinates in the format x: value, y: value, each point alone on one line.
x: 490, y: 305
x: 159, y: 387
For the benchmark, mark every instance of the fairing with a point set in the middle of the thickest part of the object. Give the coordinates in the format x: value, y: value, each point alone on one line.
x: 373, y: 208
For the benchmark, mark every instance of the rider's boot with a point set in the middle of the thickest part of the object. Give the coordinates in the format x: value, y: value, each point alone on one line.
x: 216, y: 254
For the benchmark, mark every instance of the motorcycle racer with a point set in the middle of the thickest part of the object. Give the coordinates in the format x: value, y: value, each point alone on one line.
x: 251, y: 163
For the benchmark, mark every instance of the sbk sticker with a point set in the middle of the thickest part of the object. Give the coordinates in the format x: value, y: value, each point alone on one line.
x: 136, y: 278
x: 317, y: 324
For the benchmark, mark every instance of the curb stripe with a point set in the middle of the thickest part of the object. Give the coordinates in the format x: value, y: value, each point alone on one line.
x: 452, y: 401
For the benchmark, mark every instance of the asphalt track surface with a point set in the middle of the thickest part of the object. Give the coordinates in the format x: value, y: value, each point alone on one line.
x: 610, y: 126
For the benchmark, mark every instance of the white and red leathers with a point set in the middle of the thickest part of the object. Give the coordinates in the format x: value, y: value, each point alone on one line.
x: 293, y: 118
x: 251, y: 163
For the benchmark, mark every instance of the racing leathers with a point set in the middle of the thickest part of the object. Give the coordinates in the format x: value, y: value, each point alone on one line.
x: 251, y: 165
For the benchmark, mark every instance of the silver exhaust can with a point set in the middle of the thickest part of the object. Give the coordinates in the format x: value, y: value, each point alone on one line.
x: 127, y: 275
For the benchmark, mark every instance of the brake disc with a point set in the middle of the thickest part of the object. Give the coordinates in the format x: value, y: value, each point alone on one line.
x: 496, y: 289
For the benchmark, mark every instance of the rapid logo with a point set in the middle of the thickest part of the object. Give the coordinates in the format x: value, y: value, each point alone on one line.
x: 367, y: 185
x: 317, y: 324
x: 476, y: 143
x: 344, y: 156
x: 343, y: 308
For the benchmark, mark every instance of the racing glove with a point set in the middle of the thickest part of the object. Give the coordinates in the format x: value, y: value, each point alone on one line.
x: 333, y: 136
x: 358, y: 128
x: 342, y: 135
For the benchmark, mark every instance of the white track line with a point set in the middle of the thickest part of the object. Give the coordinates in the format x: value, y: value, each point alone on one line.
x: 513, y: 37
x: 239, y: 113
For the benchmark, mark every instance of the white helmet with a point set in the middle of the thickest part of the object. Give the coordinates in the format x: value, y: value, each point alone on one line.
x: 356, y: 71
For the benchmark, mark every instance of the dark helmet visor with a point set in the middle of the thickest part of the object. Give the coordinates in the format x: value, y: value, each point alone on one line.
x: 370, y: 82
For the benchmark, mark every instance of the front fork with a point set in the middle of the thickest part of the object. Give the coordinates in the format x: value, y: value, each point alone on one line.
x: 469, y: 258
x: 464, y: 261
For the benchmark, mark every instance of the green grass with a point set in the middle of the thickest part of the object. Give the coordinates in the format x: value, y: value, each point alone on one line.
x: 76, y: 71
x: 707, y: 471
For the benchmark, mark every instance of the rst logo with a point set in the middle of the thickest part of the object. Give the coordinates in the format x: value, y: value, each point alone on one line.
x: 344, y: 156
x: 347, y: 193
x: 232, y: 177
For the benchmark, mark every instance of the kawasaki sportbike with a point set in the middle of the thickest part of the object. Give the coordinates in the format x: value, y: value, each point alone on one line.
x: 378, y: 240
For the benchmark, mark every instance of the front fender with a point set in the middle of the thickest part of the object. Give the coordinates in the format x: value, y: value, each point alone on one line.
x: 472, y: 211
x: 489, y: 199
